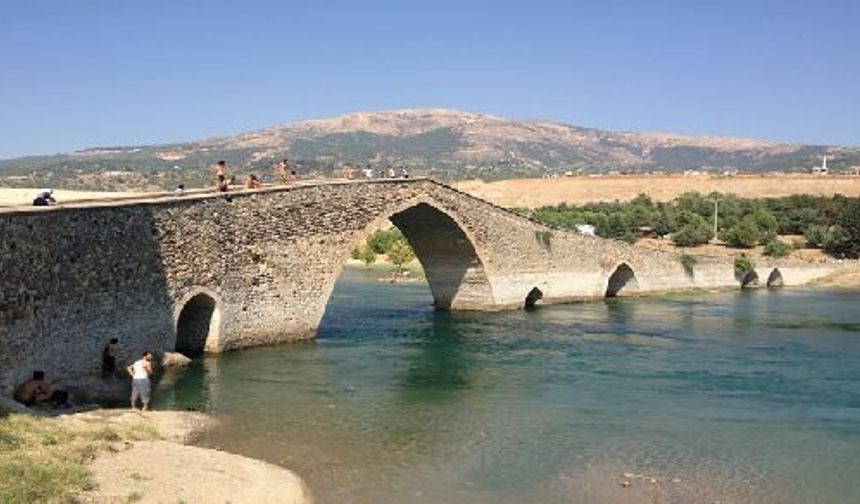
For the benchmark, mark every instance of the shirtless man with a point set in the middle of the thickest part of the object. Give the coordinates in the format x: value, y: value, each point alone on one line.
x: 252, y: 182
x: 37, y: 390
x: 284, y: 171
x: 140, y: 385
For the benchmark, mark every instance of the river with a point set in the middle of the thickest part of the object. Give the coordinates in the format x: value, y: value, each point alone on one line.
x: 724, y: 397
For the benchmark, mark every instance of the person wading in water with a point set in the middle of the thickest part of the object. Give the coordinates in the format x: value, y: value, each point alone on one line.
x: 140, y: 385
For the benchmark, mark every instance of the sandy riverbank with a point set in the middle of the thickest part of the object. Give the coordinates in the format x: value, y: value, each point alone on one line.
x: 168, y: 470
x: 111, y: 456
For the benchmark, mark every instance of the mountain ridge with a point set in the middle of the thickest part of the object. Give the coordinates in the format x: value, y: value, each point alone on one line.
x: 444, y: 143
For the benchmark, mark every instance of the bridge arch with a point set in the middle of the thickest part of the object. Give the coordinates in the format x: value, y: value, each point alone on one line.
x: 198, y: 322
x: 775, y: 278
x: 749, y: 279
x: 452, y: 263
x: 533, y: 297
x: 622, y: 281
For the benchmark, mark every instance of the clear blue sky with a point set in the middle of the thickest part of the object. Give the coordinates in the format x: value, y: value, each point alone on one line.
x: 84, y: 73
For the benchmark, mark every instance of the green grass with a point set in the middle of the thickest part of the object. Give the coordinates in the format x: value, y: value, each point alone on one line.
x: 44, y: 460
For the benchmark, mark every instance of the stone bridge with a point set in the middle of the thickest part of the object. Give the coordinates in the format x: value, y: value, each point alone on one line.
x: 219, y: 272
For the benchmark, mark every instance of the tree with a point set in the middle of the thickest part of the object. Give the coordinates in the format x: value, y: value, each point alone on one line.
x: 380, y: 241
x: 400, y: 253
x: 693, y: 230
x: 767, y: 225
x: 367, y: 255
x: 618, y: 226
x: 744, y: 234
x: 843, y: 239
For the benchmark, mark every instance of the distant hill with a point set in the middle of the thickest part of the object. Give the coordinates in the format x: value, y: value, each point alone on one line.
x: 445, y: 144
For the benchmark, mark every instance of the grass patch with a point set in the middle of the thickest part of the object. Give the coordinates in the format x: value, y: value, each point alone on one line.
x: 44, y: 459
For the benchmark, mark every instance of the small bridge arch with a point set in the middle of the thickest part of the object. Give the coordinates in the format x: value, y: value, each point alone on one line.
x: 775, y: 278
x: 198, y: 322
x: 749, y: 279
x: 622, y: 281
x: 533, y: 297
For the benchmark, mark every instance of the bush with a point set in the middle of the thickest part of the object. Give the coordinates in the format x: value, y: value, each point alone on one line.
x: 776, y: 248
x: 380, y: 241
x: 744, y: 234
x: 366, y: 255
x: 743, y: 265
x: 689, y: 263
x: 814, y: 236
x: 837, y: 242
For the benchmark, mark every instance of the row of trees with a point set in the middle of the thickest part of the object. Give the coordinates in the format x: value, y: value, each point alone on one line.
x: 831, y: 223
x: 390, y: 242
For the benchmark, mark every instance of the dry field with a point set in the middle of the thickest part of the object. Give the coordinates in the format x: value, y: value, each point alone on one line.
x: 533, y: 193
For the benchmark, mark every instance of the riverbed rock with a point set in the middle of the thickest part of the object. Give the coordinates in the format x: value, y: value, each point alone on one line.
x: 174, y: 360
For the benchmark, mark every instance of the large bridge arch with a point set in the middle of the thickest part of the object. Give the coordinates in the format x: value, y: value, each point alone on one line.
x: 451, y: 261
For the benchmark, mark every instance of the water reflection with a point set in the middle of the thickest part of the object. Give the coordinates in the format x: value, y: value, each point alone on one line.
x: 440, y: 366
x: 742, y: 397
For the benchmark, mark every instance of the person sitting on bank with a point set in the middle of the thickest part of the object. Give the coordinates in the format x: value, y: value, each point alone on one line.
x: 252, y: 182
x: 37, y: 391
x: 109, y: 358
x: 180, y: 190
x: 140, y: 384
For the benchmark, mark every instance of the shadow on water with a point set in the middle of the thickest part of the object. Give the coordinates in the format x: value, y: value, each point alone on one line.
x: 442, y: 362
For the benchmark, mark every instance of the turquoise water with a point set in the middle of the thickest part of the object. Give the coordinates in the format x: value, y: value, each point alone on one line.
x: 724, y: 397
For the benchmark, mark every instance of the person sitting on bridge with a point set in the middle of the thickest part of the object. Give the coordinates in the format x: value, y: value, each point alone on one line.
x: 45, y: 197
x: 283, y: 171
x: 220, y: 168
x: 37, y: 391
x: 222, y: 184
x: 252, y: 182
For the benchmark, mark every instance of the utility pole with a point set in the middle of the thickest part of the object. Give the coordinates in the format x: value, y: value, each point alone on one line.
x: 716, y: 218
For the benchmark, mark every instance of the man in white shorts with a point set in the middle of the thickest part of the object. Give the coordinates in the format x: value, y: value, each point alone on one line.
x: 140, y: 385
